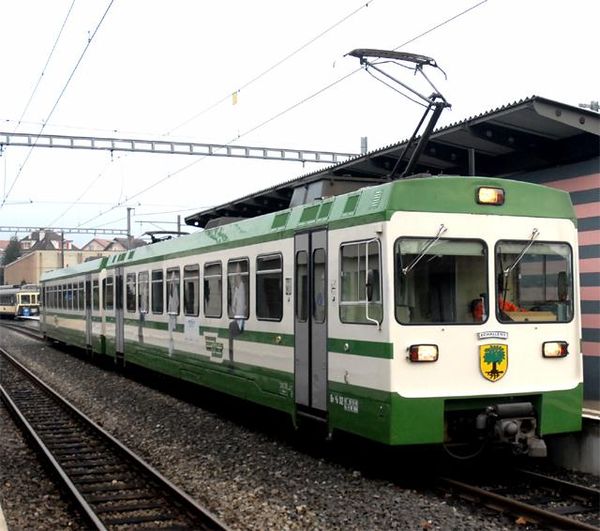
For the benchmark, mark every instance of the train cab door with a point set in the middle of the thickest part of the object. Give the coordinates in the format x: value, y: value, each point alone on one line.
x: 88, y: 312
x: 310, y: 319
x: 119, y: 316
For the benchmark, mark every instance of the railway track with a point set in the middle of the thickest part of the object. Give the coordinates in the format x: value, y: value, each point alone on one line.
x: 22, y: 328
x: 113, y: 488
x: 529, y: 497
x: 532, y: 498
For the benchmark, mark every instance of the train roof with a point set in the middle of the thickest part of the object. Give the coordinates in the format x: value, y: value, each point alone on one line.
x: 452, y: 194
x: 93, y: 266
x: 7, y: 290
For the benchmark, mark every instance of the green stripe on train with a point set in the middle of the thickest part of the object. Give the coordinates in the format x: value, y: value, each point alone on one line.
x: 264, y: 386
x: 355, y: 347
x: 392, y: 419
x: 382, y: 416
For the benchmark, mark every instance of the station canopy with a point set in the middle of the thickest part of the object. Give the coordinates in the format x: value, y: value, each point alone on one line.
x: 531, y: 134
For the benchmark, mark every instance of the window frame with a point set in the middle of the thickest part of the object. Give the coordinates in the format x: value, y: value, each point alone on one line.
x: 81, y: 295
x: 105, y: 298
x: 204, y: 277
x: 177, y: 270
x: 95, y: 294
x: 196, y: 291
x: 304, y: 295
x: 313, y: 283
x: 143, y: 277
x: 128, y: 295
x: 256, y: 275
x: 230, y: 314
x: 486, y: 256
x: 341, y: 286
x: 162, y: 291
x: 572, y: 286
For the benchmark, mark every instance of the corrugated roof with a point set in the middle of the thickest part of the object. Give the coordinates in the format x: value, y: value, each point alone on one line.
x: 530, y: 134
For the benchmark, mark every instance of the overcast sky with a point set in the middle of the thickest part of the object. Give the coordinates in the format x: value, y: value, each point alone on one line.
x: 166, y: 70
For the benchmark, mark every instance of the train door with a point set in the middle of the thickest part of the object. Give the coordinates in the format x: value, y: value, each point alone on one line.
x: 88, y: 312
x: 310, y: 347
x: 119, y: 316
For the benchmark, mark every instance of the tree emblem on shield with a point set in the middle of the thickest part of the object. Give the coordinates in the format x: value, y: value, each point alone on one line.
x: 493, y: 361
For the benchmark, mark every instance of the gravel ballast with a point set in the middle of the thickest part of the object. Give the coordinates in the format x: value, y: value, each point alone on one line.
x: 248, y: 478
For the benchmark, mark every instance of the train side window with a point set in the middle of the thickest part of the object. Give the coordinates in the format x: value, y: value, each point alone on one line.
x: 69, y: 296
x: 130, y: 292
x: 269, y: 287
x: 108, y: 292
x: 95, y: 295
x: 213, y: 289
x: 319, y: 286
x: 191, y: 290
x: 173, y: 284
x: 143, y: 292
x: 80, y: 296
x: 74, y: 299
x: 157, y: 291
x: 302, y: 286
x: 360, y: 292
x: 238, y: 288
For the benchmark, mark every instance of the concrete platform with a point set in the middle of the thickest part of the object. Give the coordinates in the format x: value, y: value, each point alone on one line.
x: 579, y: 451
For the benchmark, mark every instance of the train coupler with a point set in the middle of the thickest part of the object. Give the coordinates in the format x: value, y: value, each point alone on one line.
x: 514, y: 425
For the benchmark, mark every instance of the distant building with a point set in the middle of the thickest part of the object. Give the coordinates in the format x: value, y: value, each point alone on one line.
x: 29, y: 268
x: 42, y: 253
x: 124, y: 244
x: 3, y: 246
x: 96, y: 244
x: 45, y: 240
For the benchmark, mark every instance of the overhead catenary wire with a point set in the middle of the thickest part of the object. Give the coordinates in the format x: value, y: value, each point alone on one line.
x: 272, y: 67
x: 62, y: 92
x: 94, y: 181
x: 18, y: 123
x: 283, y: 112
x: 45, y: 67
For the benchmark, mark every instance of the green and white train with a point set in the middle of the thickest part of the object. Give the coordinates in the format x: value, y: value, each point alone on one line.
x: 383, y: 312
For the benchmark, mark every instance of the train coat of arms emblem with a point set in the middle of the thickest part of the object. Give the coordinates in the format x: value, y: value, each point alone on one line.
x: 493, y: 361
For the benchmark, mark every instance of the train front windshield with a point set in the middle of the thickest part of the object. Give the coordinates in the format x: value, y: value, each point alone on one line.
x: 440, y: 280
x: 534, y: 282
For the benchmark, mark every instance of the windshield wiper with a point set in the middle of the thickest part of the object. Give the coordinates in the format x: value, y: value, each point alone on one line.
x: 409, y: 267
x: 534, y: 235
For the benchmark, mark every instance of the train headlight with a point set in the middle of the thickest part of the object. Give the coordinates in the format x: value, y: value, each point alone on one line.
x: 423, y: 353
x: 555, y: 349
x: 490, y: 196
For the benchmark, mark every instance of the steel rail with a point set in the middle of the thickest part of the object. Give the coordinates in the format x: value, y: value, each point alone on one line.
x: 178, y: 505
x: 575, y: 489
x: 24, y: 330
x: 515, y: 507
